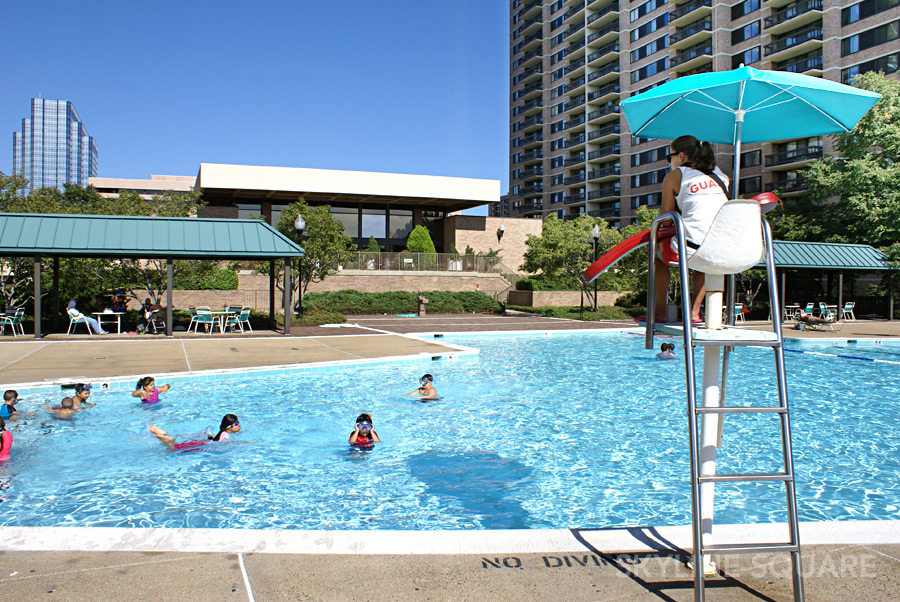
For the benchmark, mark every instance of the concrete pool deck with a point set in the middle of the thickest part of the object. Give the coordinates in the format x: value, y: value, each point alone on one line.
x: 842, y: 561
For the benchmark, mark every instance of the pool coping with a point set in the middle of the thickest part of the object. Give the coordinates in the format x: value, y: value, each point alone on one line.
x: 396, y: 542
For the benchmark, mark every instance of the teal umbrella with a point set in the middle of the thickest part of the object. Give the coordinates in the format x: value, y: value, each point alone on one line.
x: 747, y: 105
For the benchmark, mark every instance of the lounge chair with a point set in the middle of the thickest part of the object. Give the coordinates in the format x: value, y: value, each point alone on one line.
x: 76, y: 318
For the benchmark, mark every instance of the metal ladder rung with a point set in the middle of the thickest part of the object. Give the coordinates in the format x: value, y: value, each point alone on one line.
x: 750, y: 548
x: 745, y: 477
x: 736, y: 343
x: 743, y: 410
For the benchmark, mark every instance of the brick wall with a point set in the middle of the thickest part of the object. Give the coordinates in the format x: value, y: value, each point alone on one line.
x: 387, y: 281
x: 480, y: 233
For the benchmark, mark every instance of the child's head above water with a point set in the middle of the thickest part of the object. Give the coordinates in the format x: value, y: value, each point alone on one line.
x: 67, y: 403
x: 664, y: 347
x: 10, y: 396
x: 426, y: 379
x: 364, y: 422
x: 147, y: 380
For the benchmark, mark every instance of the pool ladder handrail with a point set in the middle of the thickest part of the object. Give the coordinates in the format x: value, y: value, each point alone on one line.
x: 729, y: 338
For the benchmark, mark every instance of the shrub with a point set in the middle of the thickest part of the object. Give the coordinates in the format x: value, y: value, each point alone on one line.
x: 398, y: 302
x: 541, y: 282
x: 373, y: 246
x: 419, y: 241
x: 604, y: 312
x: 206, y: 280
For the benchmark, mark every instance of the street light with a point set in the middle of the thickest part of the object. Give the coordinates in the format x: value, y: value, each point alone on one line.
x: 500, y: 232
x: 595, y: 234
x: 300, y: 225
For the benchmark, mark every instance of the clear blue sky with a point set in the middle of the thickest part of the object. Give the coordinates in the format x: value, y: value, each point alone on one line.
x: 403, y: 86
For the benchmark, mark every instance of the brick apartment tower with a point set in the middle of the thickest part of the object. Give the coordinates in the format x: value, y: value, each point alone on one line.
x: 572, y: 61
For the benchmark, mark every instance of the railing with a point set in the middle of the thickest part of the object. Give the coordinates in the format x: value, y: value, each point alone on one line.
x: 795, y: 39
x: 574, y: 66
x: 573, y: 104
x: 605, y: 191
x: 690, y: 54
x: 606, y: 29
x: 532, y: 189
x: 574, y: 198
x: 574, y: 160
x: 574, y: 85
x: 693, y: 28
x: 527, y: 207
x: 574, y: 179
x: 531, y: 38
x: 606, y: 130
x: 606, y: 171
x: 613, y: 149
x: 419, y: 262
x: 790, y: 185
x: 574, y: 141
x: 574, y: 122
x: 607, y: 89
x: 794, y: 10
x: 607, y: 49
x: 809, y: 153
x: 535, y: 154
x: 603, y: 12
x: 688, y: 8
x: 534, y: 171
x: 813, y: 62
x: 604, y: 111
x: 604, y: 70
x: 573, y: 11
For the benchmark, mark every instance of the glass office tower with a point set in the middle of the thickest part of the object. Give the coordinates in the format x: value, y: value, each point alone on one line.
x: 54, y: 147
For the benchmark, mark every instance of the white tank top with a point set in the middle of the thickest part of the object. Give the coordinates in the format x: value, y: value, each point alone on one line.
x: 699, y: 200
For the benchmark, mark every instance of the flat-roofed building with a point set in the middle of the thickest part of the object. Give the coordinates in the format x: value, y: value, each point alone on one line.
x: 384, y: 205
x: 110, y: 187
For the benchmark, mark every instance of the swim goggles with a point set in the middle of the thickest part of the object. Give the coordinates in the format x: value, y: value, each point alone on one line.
x: 364, y: 426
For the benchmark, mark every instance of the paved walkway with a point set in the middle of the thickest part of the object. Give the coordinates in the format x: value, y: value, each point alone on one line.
x: 99, y: 564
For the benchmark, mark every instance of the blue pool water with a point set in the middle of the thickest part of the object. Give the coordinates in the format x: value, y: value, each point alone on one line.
x: 554, y: 431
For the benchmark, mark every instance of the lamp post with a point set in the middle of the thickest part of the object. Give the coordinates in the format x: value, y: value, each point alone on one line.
x: 500, y: 232
x: 595, y: 234
x: 300, y: 225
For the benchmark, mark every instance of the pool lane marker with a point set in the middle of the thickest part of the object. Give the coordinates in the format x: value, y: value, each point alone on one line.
x: 846, y: 357
x: 246, y: 578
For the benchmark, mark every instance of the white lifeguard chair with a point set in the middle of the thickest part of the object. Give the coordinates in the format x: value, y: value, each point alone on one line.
x: 737, y: 240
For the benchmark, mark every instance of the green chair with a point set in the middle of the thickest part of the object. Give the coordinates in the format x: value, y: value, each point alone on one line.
x: 240, y: 319
x: 13, y: 318
x: 204, y: 316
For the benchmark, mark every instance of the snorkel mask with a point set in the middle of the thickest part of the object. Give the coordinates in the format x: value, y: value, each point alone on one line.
x: 364, y: 426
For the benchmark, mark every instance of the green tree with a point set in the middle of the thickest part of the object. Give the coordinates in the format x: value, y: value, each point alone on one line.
x: 324, y: 244
x: 853, y: 197
x: 565, y: 248
x: 419, y: 241
x: 373, y: 246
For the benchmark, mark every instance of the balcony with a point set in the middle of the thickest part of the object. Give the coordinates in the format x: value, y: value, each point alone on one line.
x: 531, y: 207
x: 528, y: 25
x: 610, y: 150
x: 602, y: 93
x: 692, y: 57
x: 531, y: 122
x: 574, y: 179
x: 608, y: 191
x: 573, y: 12
x: 571, y: 123
x: 605, y: 15
x: 605, y: 35
x: 610, y: 131
x: 574, y: 198
x: 572, y: 86
x: 576, y: 160
x: 531, y: 140
x: 574, y: 141
x: 573, y: 29
x: 606, y: 212
x: 604, y: 112
x: 535, y: 155
x: 529, y: 107
x: 696, y: 32
x: 788, y: 186
x: 531, y: 71
x: 529, y: 41
x: 794, y: 44
x: 530, y: 57
x: 794, y: 157
x: 609, y: 72
x: 574, y: 66
x: 612, y: 171
x: 809, y: 65
x: 573, y: 104
x: 531, y: 172
x: 532, y: 189
x: 684, y: 14
x: 528, y: 10
x: 605, y: 54
x: 793, y: 16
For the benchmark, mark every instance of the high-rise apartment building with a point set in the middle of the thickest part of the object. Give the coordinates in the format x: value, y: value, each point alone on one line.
x: 572, y: 61
x: 54, y: 147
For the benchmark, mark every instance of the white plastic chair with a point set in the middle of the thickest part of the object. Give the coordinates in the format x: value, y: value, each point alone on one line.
x: 76, y: 318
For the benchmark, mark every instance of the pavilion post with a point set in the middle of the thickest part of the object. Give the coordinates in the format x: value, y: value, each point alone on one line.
x: 287, y: 295
x: 271, y: 294
x: 37, y: 296
x: 890, y: 295
x: 169, y: 273
x: 840, y: 291
x: 56, y: 294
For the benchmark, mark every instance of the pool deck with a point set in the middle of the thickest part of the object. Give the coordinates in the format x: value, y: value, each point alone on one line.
x: 842, y: 561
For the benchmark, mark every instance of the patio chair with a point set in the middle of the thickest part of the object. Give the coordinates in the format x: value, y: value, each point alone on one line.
x: 824, y: 312
x: 204, y: 316
x: 156, y: 322
x: 13, y: 318
x: 240, y: 319
x: 847, y: 311
x: 76, y: 318
x: 809, y: 308
x: 738, y: 313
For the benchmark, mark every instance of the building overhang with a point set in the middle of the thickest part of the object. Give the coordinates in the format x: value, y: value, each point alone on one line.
x: 220, y: 182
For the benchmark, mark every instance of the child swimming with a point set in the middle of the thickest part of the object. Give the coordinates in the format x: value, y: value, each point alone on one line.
x: 364, y: 431
x: 148, y: 391
x: 6, y: 439
x: 426, y: 390
x: 666, y: 351
x: 8, y: 409
x: 229, y: 425
x: 64, y: 410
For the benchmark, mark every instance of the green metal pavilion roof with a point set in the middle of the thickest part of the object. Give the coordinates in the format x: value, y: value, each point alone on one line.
x: 26, y: 234
x: 827, y: 256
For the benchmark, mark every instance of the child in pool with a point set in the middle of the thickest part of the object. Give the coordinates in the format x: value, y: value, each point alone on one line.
x: 364, y: 431
x: 148, y: 391
x: 64, y: 410
x: 426, y: 390
x: 666, y: 351
x: 230, y: 425
x: 8, y: 409
x: 5, y: 440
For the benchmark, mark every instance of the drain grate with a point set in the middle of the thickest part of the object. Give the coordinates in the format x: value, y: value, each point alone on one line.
x: 234, y: 349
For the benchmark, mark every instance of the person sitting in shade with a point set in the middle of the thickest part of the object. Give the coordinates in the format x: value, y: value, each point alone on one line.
x: 77, y: 315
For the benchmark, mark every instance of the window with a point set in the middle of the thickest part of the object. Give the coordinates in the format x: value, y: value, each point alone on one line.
x: 277, y: 210
x: 886, y: 64
x: 649, y: 27
x: 557, y: 57
x: 349, y: 218
x: 401, y: 223
x: 650, y: 156
x: 558, y: 91
x: 557, y: 144
x: 751, y: 158
x: 651, y: 199
x: 558, y: 5
x: 647, y: 49
x: 557, y: 179
x: 650, y: 70
x: 557, y: 162
x: 246, y: 211
x: 865, y: 9
x: 748, y: 31
x: 747, y: 57
x: 645, y: 9
x: 557, y: 126
x: 648, y: 178
x: 556, y: 197
x: 744, y: 8
x: 750, y: 185
x: 557, y: 39
x: 870, y: 38
x: 374, y: 223
x: 557, y: 23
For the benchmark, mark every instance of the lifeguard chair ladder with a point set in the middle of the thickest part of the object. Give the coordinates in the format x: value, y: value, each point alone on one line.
x: 730, y: 247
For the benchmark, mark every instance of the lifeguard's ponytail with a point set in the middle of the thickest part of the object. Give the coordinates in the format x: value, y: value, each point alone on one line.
x: 700, y: 154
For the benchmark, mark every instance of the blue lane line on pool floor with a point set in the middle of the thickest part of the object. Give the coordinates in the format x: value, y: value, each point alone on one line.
x: 846, y: 357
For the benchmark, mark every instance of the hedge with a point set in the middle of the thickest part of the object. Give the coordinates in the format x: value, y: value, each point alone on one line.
x: 209, y: 280
x: 604, y: 312
x: 351, y: 302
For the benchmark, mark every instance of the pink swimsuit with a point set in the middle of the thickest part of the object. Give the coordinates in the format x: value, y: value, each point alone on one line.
x: 152, y: 398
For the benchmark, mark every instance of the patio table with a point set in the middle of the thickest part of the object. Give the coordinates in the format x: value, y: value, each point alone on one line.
x: 221, y: 316
x: 109, y: 315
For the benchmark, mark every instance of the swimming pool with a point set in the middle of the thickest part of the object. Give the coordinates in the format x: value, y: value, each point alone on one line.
x: 569, y: 430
